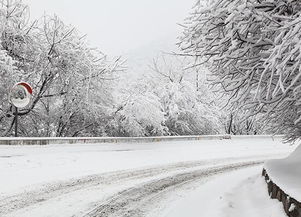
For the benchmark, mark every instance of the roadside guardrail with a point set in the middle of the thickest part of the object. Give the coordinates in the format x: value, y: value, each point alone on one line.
x: 80, y: 140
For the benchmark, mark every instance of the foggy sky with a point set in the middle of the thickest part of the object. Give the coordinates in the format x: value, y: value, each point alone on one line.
x: 118, y: 26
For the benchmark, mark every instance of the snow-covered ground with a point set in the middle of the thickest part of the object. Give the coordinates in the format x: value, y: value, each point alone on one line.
x: 138, y: 179
x: 240, y: 193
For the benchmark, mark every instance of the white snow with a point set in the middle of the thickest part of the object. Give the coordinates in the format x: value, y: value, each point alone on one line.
x: 237, y: 194
x: 22, y: 166
x: 29, y: 168
x: 286, y: 173
x: 292, y: 207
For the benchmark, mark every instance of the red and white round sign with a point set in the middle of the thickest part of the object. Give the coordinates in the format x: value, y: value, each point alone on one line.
x: 20, y: 94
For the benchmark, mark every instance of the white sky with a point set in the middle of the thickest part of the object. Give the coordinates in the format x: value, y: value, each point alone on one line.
x: 118, y: 27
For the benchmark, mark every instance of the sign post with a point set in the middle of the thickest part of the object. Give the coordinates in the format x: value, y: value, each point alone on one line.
x: 16, y: 122
x: 20, y: 96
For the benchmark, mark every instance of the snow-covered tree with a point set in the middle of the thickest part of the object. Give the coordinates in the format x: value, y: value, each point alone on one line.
x: 188, y: 102
x: 167, y: 100
x: 236, y: 124
x: 72, y: 82
x: 252, y: 48
x: 141, y: 114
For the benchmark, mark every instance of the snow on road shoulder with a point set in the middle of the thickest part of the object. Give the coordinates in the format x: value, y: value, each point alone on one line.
x: 241, y: 193
x: 251, y: 199
x: 286, y: 173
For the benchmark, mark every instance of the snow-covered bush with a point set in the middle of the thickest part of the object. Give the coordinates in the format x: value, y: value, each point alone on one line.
x: 253, y: 50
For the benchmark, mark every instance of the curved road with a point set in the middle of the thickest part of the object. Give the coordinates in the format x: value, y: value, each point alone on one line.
x: 121, y: 193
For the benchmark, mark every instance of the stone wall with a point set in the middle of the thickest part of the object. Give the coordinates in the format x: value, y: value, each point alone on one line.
x: 291, y: 206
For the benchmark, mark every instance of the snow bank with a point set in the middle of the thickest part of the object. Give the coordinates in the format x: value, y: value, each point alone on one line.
x: 286, y: 173
x: 283, y: 178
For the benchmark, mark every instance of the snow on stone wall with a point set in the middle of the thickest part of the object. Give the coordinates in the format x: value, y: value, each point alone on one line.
x: 283, y: 177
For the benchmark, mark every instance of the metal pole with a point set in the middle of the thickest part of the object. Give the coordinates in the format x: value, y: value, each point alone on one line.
x: 16, y: 122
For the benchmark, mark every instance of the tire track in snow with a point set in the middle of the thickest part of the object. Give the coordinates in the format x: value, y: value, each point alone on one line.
x: 47, y: 192
x: 133, y: 201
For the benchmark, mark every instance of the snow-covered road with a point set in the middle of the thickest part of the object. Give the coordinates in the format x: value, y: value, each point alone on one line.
x: 149, y: 179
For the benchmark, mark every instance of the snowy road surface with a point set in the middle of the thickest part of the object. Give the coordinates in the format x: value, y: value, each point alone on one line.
x: 170, y: 179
